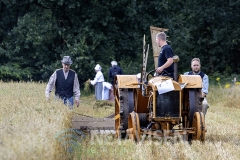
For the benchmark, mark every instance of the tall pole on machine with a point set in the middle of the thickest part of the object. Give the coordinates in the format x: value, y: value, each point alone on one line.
x: 145, y: 57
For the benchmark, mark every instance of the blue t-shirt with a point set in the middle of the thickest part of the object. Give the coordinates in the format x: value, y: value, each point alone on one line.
x: 165, y: 53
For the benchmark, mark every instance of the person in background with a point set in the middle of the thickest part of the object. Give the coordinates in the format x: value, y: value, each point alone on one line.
x: 65, y: 81
x: 165, y: 58
x: 107, y: 88
x: 98, y: 82
x: 196, y: 70
x: 113, y: 71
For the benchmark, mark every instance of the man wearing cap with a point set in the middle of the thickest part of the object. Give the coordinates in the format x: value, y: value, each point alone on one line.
x: 65, y: 82
x: 114, y: 70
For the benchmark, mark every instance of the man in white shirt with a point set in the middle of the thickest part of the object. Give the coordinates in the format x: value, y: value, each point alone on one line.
x: 65, y: 82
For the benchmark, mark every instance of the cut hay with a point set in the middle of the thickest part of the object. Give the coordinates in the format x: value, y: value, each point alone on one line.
x: 87, y: 90
x: 103, y: 103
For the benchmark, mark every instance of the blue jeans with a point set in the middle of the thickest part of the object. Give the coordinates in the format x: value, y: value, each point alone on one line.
x: 67, y: 101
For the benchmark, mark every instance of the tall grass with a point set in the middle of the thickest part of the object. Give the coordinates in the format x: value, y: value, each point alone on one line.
x: 29, y: 122
x: 227, y: 95
x: 30, y: 127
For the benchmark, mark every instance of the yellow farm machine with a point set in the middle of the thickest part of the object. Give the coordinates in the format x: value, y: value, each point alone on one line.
x: 158, y: 105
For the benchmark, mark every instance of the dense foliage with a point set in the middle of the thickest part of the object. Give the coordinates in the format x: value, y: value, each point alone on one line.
x: 35, y: 34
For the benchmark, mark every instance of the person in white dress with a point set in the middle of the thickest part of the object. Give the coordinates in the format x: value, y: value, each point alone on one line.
x: 98, y: 82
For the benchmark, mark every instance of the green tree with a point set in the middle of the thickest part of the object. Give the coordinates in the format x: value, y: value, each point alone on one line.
x: 36, y: 34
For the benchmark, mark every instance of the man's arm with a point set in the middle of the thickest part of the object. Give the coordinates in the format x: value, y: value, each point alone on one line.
x: 166, y: 65
x: 205, y: 85
x: 76, y: 90
x: 97, y: 77
x: 50, y: 85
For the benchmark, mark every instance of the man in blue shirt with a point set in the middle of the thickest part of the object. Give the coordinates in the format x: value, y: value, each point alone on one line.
x: 196, y: 70
x: 165, y: 58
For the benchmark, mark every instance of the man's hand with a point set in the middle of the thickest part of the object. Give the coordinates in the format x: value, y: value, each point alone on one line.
x: 77, y: 102
x: 159, y: 69
x: 204, y: 94
x: 47, y: 99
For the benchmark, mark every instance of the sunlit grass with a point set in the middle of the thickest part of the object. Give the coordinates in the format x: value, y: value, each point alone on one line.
x: 29, y: 125
x: 226, y: 96
x: 29, y: 122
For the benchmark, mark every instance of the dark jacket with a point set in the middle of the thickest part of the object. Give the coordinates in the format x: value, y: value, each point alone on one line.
x: 113, y: 71
x: 64, y: 87
x: 200, y: 74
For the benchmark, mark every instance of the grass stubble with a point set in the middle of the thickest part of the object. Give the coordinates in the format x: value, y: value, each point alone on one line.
x: 29, y: 125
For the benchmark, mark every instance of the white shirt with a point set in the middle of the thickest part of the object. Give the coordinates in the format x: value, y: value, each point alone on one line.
x: 107, y: 85
x: 105, y: 92
x: 98, y: 78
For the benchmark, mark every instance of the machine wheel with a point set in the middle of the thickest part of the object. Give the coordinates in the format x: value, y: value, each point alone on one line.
x: 194, y: 106
x: 199, y: 125
x: 133, y: 126
x: 124, y: 104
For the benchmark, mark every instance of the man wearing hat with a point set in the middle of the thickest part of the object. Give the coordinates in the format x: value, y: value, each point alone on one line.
x: 65, y: 82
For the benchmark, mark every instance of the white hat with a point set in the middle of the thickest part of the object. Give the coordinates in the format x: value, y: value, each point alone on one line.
x: 114, y: 63
x: 98, y: 67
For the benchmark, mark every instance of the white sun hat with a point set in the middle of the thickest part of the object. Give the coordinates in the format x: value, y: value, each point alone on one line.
x: 98, y: 67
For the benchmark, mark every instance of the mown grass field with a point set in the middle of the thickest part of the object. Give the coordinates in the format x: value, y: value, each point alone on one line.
x: 33, y: 128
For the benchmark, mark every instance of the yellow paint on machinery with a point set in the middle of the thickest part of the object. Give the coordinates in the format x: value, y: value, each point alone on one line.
x: 127, y: 81
x: 192, y: 81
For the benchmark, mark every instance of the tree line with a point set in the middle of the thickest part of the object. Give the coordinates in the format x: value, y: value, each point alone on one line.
x: 36, y: 34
